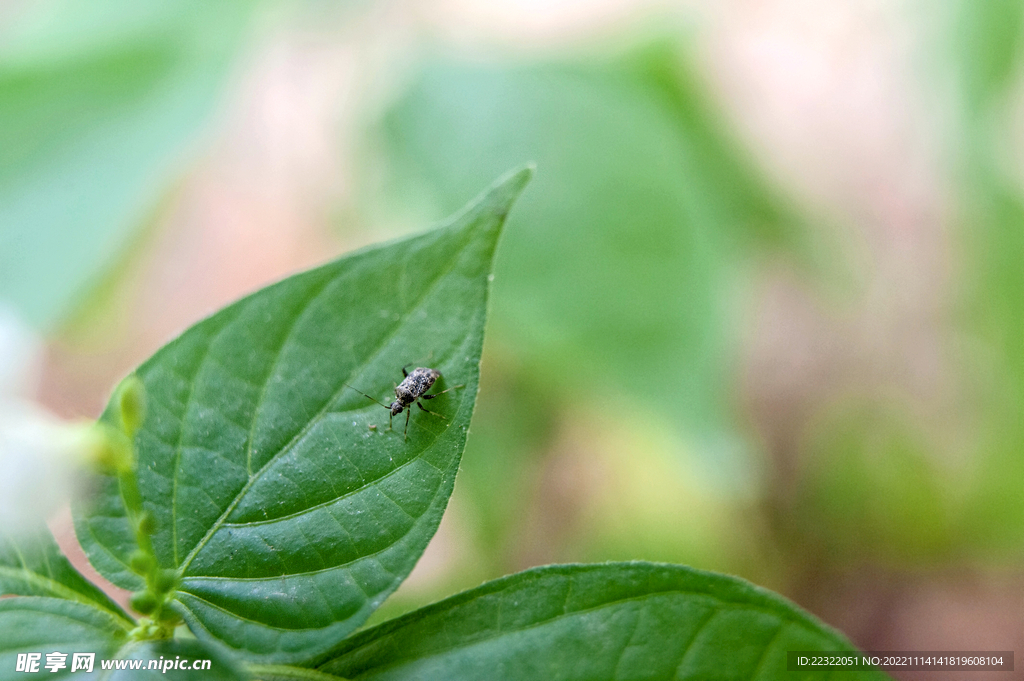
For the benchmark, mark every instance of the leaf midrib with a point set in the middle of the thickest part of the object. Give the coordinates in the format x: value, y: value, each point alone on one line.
x: 320, y: 414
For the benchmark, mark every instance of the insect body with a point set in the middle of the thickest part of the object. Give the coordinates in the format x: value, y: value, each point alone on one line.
x: 412, y: 389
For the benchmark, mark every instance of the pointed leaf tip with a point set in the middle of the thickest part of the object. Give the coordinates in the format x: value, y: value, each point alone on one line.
x: 492, y: 205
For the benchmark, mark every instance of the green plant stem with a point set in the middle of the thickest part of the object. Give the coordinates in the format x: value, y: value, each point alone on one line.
x: 153, y: 626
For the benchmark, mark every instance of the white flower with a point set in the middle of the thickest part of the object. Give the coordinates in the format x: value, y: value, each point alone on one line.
x: 40, y: 455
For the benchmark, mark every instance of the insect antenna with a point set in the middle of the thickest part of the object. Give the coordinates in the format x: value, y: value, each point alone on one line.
x: 365, y: 395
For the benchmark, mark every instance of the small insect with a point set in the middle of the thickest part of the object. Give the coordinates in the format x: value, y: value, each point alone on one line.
x: 413, y: 388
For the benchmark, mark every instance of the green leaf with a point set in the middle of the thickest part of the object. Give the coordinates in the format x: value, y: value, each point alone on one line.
x: 222, y: 666
x: 35, y: 566
x: 616, y: 620
x: 988, y: 37
x: 46, y: 625
x: 269, y: 672
x: 287, y: 517
x: 100, y: 105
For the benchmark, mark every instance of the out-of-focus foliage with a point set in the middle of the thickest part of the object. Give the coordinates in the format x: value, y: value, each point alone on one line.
x: 876, y: 489
x: 871, y: 491
x: 987, y: 50
x: 619, y: 267
x: 988, y: 62
x: 100, y: 101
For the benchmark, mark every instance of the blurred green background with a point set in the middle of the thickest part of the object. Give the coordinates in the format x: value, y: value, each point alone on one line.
x: 761, y: 310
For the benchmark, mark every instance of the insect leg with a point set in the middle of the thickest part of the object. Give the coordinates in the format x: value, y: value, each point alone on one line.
x: 404, y: 372
x: 430, y: 397
x: 405, y: 434
x: 420, y: 405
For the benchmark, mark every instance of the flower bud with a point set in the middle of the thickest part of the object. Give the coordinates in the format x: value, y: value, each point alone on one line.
x: 147, y: 523
x: 131, y: 398
x: 143, y: 602
x: 141, y: 562
x: 168, y: 616
x: 166, y: 581
x: 108, y: 450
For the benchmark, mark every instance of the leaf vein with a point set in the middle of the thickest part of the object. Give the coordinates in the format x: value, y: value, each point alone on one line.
x: 305, y: 573
x: 175, y: 466
x: 292, y: 324
x: 696, y: 634
x: 629, y: 643
x: 330, y: 502
x: 764, y: 653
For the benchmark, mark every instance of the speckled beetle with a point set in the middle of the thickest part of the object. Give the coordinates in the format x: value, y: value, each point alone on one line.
x: 412, y: 389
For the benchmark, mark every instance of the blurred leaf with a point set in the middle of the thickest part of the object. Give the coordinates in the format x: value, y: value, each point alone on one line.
x: 727, y: 172
x: 34, y: 624
x: 996, y: 280
x: 988, y: 41
x: 35, y: 566
x: 551, y: 484
x: 619, y: 271
x: 617, y: 620
x: 993, y: 363
x: 101, y: 102
x: 287, y: 518
x: 648, y: 499
x: 872, y: 491
x: 512, y: 431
